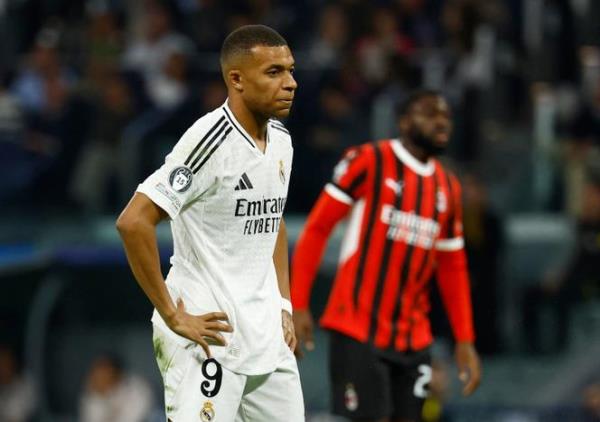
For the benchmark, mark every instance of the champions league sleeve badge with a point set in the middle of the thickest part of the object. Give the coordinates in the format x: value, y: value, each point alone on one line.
x: 180, y: 179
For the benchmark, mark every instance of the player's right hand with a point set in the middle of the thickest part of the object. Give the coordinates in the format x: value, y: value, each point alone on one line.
x: 200, y: 329
x: 469, y: 366
x: 303, y: 325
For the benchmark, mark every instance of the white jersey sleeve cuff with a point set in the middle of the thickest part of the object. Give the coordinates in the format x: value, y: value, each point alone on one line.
x: 338, y: 194
x: 160, y: 198
x: 448, y: 245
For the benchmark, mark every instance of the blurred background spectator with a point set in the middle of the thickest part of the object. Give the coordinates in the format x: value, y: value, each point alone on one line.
x: 94, y: 93
x: 591, y: 401
x: 17, y: 393
x: 112, y: 395
x: 579, y: 282
x: 484, y: 239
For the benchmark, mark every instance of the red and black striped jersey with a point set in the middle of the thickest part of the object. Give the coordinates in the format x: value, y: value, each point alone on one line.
x: 403, y: 215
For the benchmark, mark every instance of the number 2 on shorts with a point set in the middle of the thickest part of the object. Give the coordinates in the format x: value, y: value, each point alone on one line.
x: 217, y: 376
x: 420, y: 390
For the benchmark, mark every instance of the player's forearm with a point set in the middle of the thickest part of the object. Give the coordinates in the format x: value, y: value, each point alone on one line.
x: 311, y: 245
x: 141, y: 248
x: 453, y: 280
x: 281, y: 261
x: 305, y: 265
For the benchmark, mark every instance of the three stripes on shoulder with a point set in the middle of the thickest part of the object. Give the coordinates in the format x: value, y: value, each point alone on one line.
x: 208, y: 144
x: 276, y: 124
x: 213, y: 139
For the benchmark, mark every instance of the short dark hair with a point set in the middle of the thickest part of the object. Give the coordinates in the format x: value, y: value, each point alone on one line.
x: 415, y: 96
x: 244, y: 38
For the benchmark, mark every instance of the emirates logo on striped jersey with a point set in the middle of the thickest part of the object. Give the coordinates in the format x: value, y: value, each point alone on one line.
x: 410, y: 227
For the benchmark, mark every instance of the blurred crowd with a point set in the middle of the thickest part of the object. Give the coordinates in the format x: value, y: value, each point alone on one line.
x: 93, y: 93
x: 109, y: 393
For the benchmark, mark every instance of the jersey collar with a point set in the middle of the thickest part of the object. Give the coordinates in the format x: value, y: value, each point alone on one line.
x: 422, y: 169
x: 234, y: 122
x: 238, y: 126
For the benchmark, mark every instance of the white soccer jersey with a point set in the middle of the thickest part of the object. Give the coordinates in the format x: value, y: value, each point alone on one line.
x: 226, y: 200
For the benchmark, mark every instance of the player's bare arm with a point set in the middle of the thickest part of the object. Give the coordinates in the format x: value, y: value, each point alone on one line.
x: 137, y: 228
x: 280, y: 259
x: 454, y: 284
x: 454, y: 288
x: 310, y: 248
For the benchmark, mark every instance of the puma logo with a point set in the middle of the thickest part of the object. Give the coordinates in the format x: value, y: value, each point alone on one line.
x: 394, y: 185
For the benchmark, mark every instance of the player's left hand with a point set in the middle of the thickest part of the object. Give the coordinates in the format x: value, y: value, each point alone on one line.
x: 289, y: 334
x: 469, y: 366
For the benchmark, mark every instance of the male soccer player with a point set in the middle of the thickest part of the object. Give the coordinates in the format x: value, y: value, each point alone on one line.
x: 405, y: 222
x: 223, y: 331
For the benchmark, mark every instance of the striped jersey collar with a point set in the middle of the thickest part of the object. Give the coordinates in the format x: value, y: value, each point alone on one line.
x: 422, y: 169
x: 237, y: 125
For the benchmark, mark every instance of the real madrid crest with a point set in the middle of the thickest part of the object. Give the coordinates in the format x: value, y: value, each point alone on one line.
x: 281, y: 171
x: 207, y: 414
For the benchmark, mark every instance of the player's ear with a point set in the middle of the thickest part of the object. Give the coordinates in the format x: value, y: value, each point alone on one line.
x: 234, y: 77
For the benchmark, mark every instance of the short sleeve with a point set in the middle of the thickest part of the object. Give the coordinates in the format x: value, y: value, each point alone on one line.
x: 187, y: 175
x: 452, y: 232
x: 349, y: 175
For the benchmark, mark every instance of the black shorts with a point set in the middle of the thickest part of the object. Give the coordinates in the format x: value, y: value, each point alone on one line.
x: 367, y: 384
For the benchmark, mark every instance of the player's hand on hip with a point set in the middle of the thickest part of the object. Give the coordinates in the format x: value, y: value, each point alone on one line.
x: 469, y: 366
x: 289, y: 333
x: 202, y: 329
x: 303, y: 324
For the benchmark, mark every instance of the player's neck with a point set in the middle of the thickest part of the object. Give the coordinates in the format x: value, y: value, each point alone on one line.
x: 254, y: 124
x: 419, y: 153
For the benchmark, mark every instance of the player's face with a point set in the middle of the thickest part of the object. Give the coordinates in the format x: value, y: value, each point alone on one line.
x: 268, y: 81
x: 429, y: 123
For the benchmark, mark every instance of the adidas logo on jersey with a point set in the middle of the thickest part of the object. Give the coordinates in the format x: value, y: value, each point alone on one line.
x: 244, y: 183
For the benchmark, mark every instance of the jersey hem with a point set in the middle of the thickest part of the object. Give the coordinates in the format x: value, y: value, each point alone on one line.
x: 340, y: 330
x: 223, y: 360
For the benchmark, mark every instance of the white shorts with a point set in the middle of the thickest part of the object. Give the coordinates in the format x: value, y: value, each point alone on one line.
x: 199, y: 389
